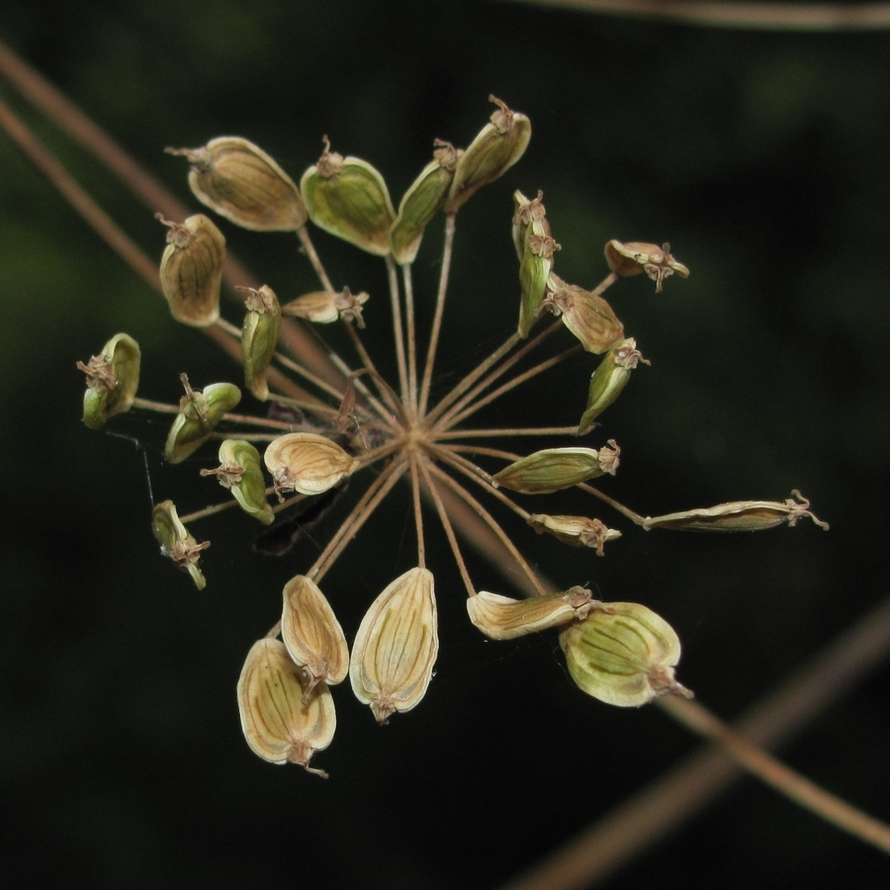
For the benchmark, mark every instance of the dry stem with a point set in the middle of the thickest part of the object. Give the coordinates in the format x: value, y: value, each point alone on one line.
x: 758, y: 16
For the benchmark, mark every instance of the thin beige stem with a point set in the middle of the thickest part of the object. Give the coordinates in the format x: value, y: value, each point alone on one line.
x: 375, y: 403
x: 159, y: 407
x: 208, y: 511
x: 504, y: 431
x: 375, y: 454
x: 268, y: 437
x: 309, y: 403
x: 386, y: 392
x: 456, y: 416
x: 288, y: 502
x: 357, y: 510
x: 479, y: 476
x: 460, y: 391
x: 606, y: 283
x: 399, y: 421
x: 433, y: 492
x: 398, y: 332
x: 675, y: 797
x: 268, y: 423
x: 482, y: 449
x: 624, y: 511
x: 487, y: 544
x: 303, y: 342
x: 492, y: 523
x: 785, y: 780
x: 411, y: 324
x: 755, y: 16
x: 446, y: 455
x: 436, y: 330
x: 451, y: 397
x: 232, y: 330
x: 309, y: 248
x: 418, y: 514
x: 307, y: 375
x: 360, y: 514
x: 260, y: 437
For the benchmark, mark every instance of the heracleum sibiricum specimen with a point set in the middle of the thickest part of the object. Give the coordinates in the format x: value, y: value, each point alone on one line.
x: 323, y: 427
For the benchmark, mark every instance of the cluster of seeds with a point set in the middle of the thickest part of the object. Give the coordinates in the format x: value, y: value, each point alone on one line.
x: 328, y: 421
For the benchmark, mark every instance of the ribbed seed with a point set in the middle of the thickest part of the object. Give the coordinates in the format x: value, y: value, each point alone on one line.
x: 279, y: 722
x: 191, y: 269
x: 239, y: 181
x: 624, y: 656
x: 312, y: 634
x: 112, y: 380
x: 738, y: 516
x: 307, y: 463
x: 396, y: 646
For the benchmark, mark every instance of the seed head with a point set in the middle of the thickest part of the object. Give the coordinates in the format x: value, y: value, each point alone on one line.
x: 556, y: 468
x: 524, y: 214
x: 609, y: 379
x: 396, y: 646
x: 283, y: 723
x: 239, y: 181
x: 424, y: 198
x: 578, y: 531
x: 348, y: 198
x: 503, y: 618
x: 112, y: 380
x: 325, y: 307
x: 199, y: 413
x: 312, y: 634
x: 191, y: 269
x: 738, y: 516
x: 259, y: 337
x: 588, y: 316
x: 241, y: 472
x: 176, y: 542
x: 624, y: 656
x: 634, y: 257
x: 535, y: 262
x: 497, y: 147
x: 307, y: 463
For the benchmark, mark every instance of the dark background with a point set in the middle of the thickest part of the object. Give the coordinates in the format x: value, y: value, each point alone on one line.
x: 761, y: 157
